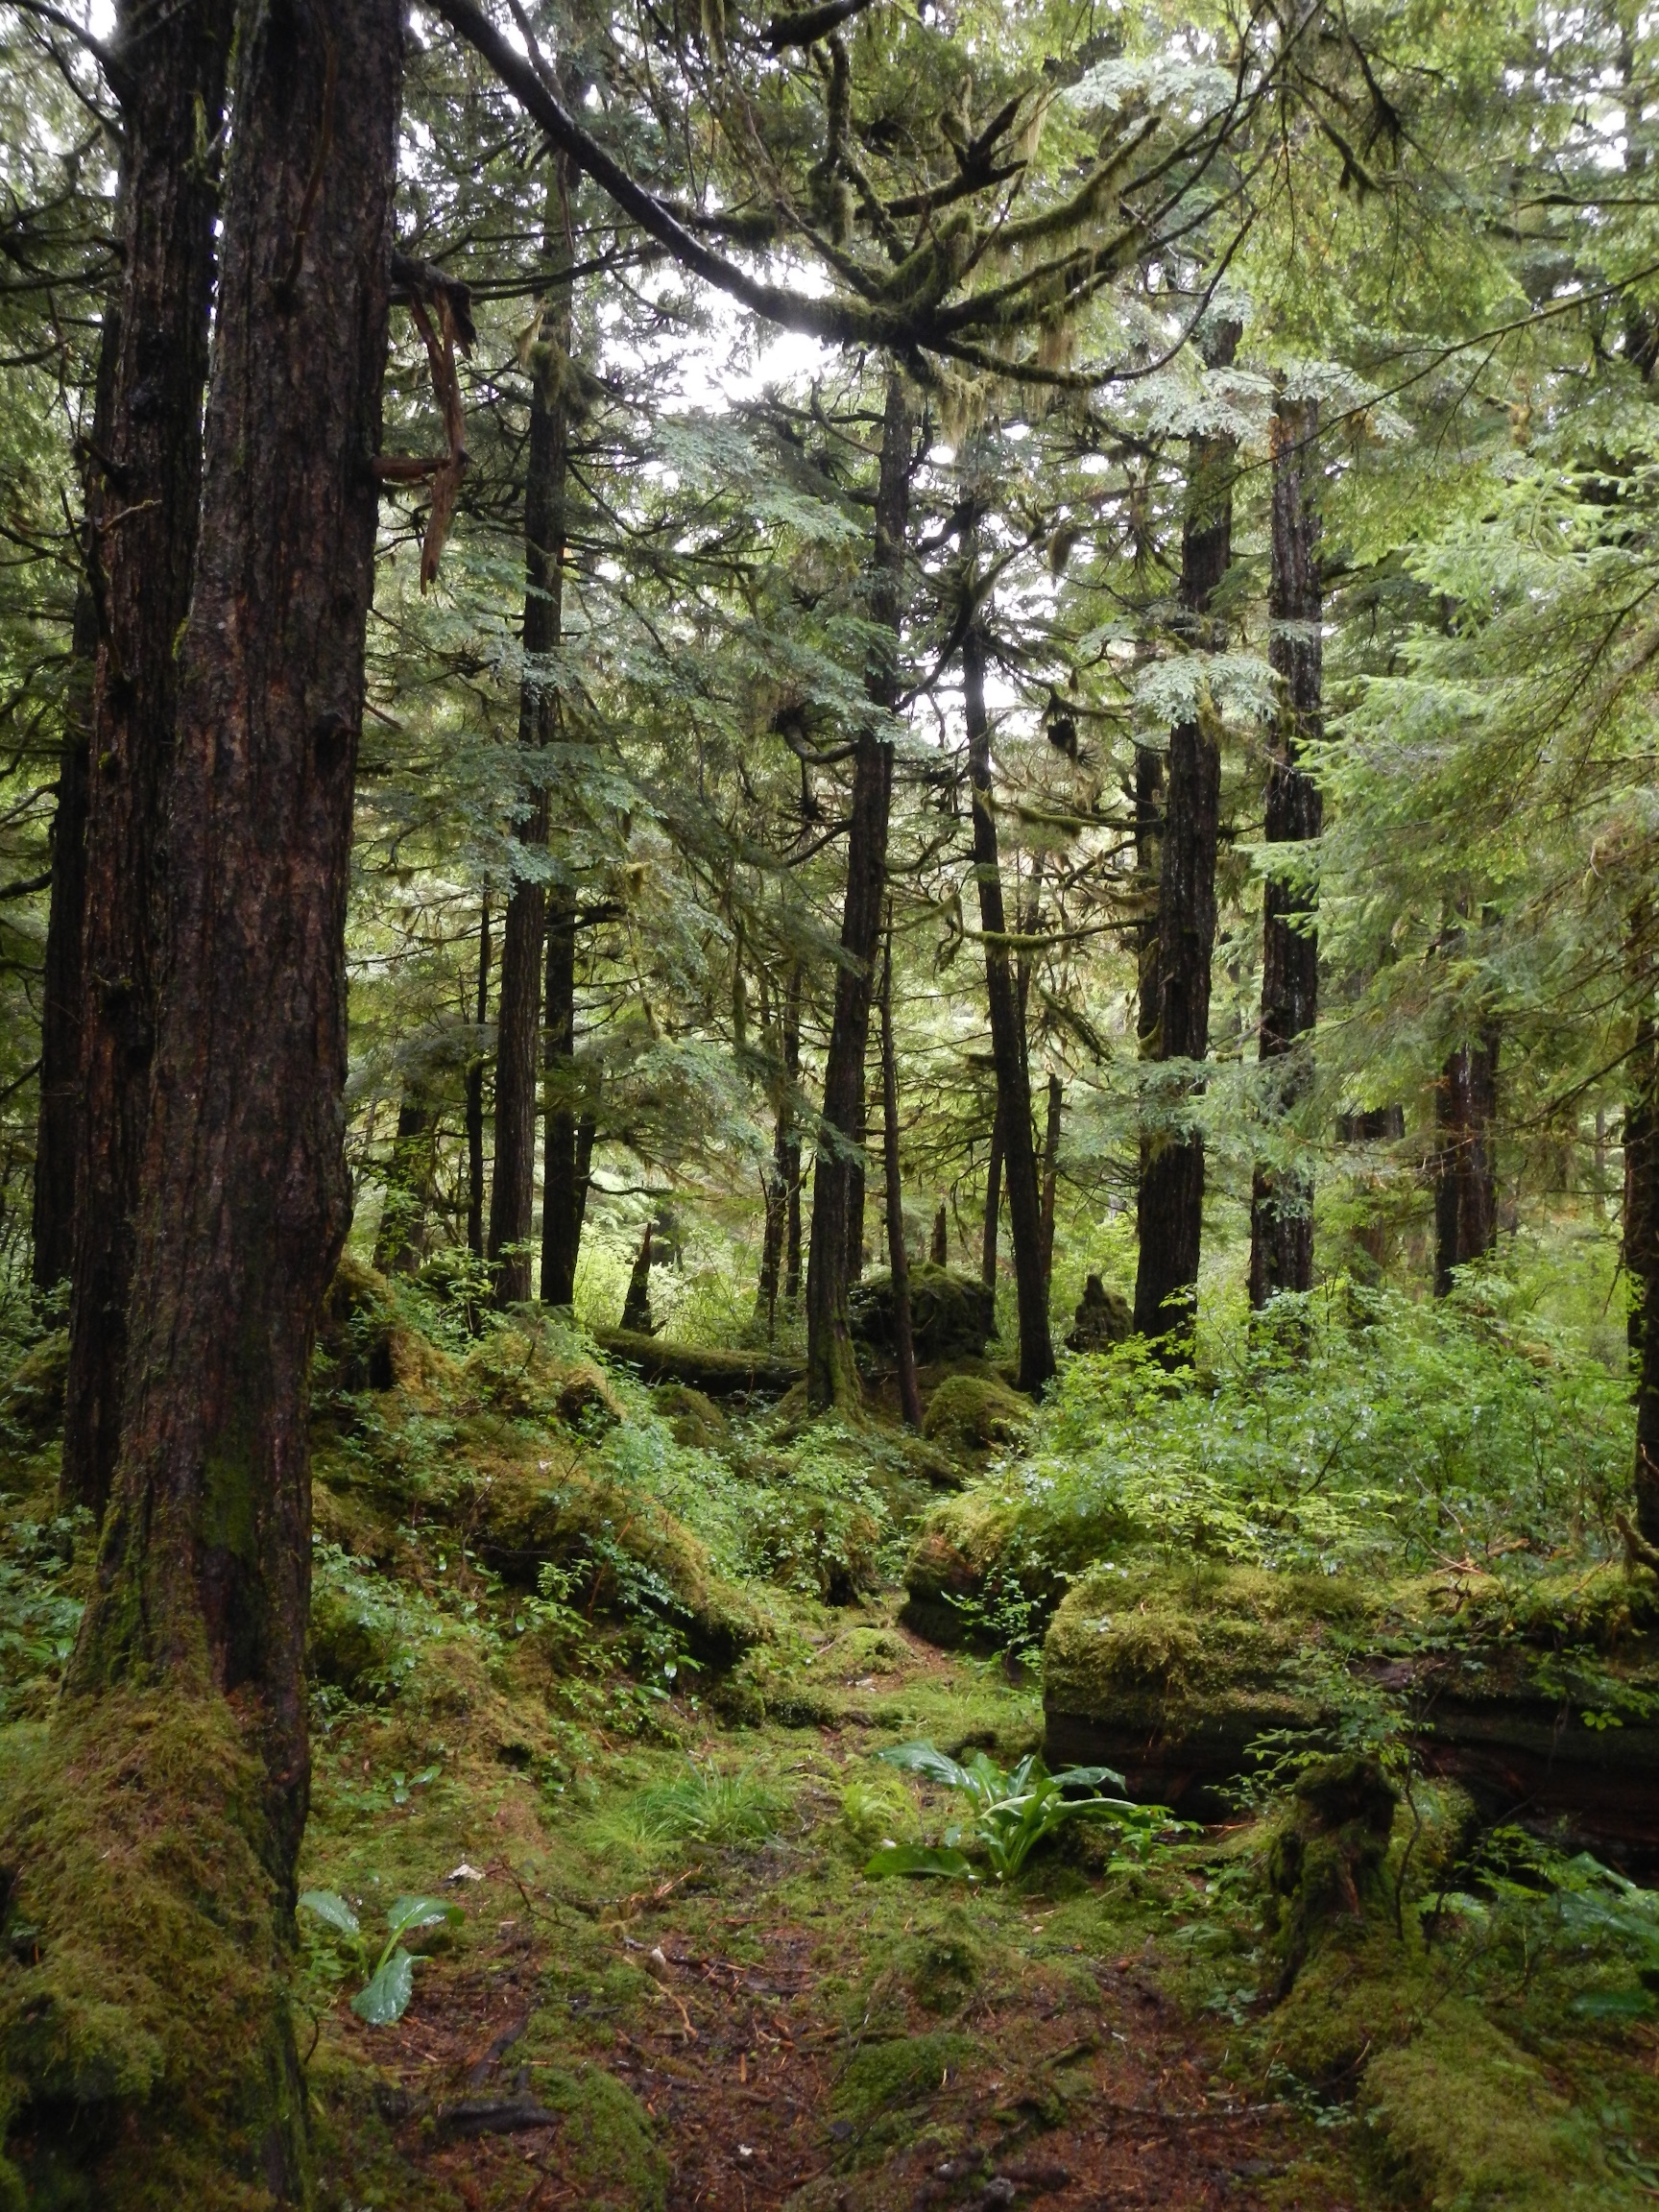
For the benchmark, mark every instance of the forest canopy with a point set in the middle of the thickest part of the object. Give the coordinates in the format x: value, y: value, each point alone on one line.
x: 818, y: 823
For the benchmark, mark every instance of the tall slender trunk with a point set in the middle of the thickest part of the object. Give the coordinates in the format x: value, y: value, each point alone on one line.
x: 1052, y: 1172
x: 475, y: 1093
x: 202, y: 1578
x: 1169, y: 1211
x: 1465, y: 1176
x: 831, y: 1373
x: 400, y: 1241
x: 1641, y: 1253
x: 518, y: 1022
x: 993, y: 1203
x: 898, y: 1258
x: 1281, y: 1202
x: 1007, y: 1038
x: 1148, y: 797
x: 144, y: 546
x: 858, y: 1182
x: 776, y: 1190
x: 561, y: 1223
x: 637, y: 1303
x: 58, y: 1136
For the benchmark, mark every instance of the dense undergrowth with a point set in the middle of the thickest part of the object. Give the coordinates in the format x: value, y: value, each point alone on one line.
x: 605, y: 1671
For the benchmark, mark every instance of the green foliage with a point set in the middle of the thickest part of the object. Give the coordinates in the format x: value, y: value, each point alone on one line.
x: 1012, y: 1812
x: 384, y: 1997
x: 712, y: 1804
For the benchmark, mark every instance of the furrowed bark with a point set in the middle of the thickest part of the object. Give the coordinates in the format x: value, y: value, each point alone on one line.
x: 1007, y: 1038
x: 993, y: 1203
x: 519, y: 1021
x: 1052, y: 1172
x: 1465, y: 1177
x: 1169, y: 1209
x: 1282, y: 1202
x: 560, y: 1226
x: 790, y: 1155
x: 898, y: 1258
x: 831, y: 1373
x: 475, y: 1095
x: 400, y: 1242
x: 203, y: 1570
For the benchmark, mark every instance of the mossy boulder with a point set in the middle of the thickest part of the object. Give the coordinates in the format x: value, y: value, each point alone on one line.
x: 608, y: 2147
x: 693, y: 1418
x: 952, y: 1316
x: 969, y: 1546
x: 970, y: 1415
x: 537, y: 1374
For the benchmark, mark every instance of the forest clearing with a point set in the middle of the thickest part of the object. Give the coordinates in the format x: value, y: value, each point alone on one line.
x: 828, y: 1106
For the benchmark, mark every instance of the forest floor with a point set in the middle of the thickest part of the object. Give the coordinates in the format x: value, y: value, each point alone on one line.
x: 786, y: 2032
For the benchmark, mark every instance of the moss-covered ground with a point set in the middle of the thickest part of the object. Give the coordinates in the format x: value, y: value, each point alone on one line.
x: 609, y: 1673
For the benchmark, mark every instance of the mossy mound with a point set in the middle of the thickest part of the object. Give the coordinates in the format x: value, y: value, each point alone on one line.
x: 970, y: 1414
x: 534, y: 1374
x: 1102, y: 1321
x: 146, y: 2051
x: 952, y: 1316
x: 693, y: 1418
x: 967, y: 1546
x: 611, y: 2150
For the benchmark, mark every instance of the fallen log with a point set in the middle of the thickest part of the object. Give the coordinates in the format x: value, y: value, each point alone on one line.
x: 717, y: 1374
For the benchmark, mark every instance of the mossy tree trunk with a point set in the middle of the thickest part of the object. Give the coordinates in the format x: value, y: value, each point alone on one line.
x: 202, y: 1578
x: 1281, y: 1203
x: 1051, y: 1171
x: 993, y: 1203
x: 790, y: 1152
x: 475, y: 1092
x: 1640, y: 1253
x: 1169, y: 1209
x: 1007, y: 1036
x: 832, y: 1372
x: 523, y: 934
x: 400, y: 1241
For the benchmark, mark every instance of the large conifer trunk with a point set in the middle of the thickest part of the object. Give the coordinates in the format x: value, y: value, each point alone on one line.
x: 1282, y: 1205
x: 831, y: 1375
x: 144, y: 533
x: 1641, y: 1253
x: 205, y: 1567
x: 1007, y: 1039
x: 1169, y: 1211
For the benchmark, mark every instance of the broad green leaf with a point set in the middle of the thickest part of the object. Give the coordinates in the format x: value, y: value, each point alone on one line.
x: 1614, y: 2004
x: 386, y: 1999
x: 918, y: 1859
x: 922, y: 1759
x: 1088, y: 1778
x: 415, y: 1912
x: 331, y: 1908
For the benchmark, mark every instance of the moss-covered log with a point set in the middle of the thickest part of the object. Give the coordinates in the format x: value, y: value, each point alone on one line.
x: 716, y: 1374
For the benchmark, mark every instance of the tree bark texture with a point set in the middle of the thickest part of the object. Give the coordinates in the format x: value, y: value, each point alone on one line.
x: 1169, y: 1211
x: 203, y: 1570
x: 1465, y: 1178
x: 1052, y: 1172
x: 637, y: 1303
x: 144, y: 546
x: 400, y: 1241
x: 1640, y: 1253
x: 476, y: 1094
x: 519, y: 1019
x: 561, y: 1221
x: 898, y: 1258
x: 1281, y: 1202
x: 993, y: 1203
x: 1007, y: 1038
x: 831, y: 1373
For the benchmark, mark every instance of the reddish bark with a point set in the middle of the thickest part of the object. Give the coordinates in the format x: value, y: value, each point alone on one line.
x: 1465, y: 1180
x: 1282, y: 1205
x: 204, y: 1571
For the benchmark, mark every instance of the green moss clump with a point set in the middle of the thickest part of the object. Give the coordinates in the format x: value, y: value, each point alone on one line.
x: 33, y: 1401
x: 942, y: 1964
x: 885, y: 2082
x: 693, y: 1418
x: 146, y: 2052
x: 608, y: 2148
x: 952, y: 1316
x: 970, y: 1414
x: 1476, y: 2124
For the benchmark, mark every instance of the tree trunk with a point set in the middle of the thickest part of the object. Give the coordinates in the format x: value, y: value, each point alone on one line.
x: 145, y: 550
x: 1148, y: 870
x: 400, y: 1241
x: 1007, y: 1038
x: 1052, y: 1174
x: 831, y: 1373
x: 898, y: 1258
x: 775, y: 1195
x: 940, y: 1254
x: 518, y: 1022
x: 993, y: 1203
x: 1642, y: 1243
x: 790, y: 1155
x: 1169, y: 1212
x: 637, y: 1303
x: 858, y: 1183
x: 202, y: 1580
x: 475, y: 1095
x: 560, y: 1225
x: 1465, y: 1181
x: 1281, y: 1202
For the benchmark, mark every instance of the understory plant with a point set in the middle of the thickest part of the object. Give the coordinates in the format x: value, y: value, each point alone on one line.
x: 1013, y: 1812
x: 384, y: 1997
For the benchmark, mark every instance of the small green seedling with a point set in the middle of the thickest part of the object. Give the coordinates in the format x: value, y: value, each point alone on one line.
x: 384, y: 1998
x: 1013, y: 1812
